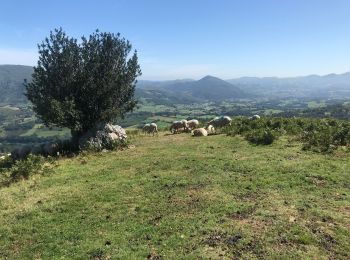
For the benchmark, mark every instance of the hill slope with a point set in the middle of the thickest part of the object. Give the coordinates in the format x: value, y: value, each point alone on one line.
x: 11, y: 83
x: 208, y: 88
x: 182, y: 197
x: 185, y: 91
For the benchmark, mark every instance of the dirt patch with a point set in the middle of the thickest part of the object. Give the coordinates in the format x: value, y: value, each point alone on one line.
x: 218, y: 238
x: 242, y: 213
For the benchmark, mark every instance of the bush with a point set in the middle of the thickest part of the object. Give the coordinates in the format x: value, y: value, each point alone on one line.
x: 320, y: 135
x: 118, y: 144
x: 326, y: 135
x: 24, y: 168
x: 261, y: 136
x: 6, y: 163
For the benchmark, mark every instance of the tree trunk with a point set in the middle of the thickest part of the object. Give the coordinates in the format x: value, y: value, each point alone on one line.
x: 75, y: 139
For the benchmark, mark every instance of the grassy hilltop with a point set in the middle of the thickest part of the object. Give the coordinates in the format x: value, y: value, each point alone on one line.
x: 174, y: 196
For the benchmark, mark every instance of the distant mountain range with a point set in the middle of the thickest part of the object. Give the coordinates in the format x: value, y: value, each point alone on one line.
x: 328, y: 86
x: 208, y: 88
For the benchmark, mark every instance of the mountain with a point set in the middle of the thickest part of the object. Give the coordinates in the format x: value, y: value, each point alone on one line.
x: 11, y: 83
x: 328, y: 86
x: 208, y: 88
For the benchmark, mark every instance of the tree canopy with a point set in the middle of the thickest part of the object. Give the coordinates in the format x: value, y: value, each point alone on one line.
x: 78, y: 84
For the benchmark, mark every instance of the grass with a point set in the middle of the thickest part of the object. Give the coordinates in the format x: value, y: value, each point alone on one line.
x: 41, y: 131
x: 174, y: 196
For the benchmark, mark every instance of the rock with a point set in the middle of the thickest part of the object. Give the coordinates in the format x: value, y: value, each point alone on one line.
x: 113, y: 136
x: 102, y: 137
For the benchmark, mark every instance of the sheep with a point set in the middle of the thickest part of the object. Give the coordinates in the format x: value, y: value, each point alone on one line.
x: 192, y: 124
x: 145, y: 128
x: 210, y: 129
x: 220, y: 121
x: 254, y: 117
x: 176, y: 126
x: 150, y: 128
x: 199, y: 132
x: 153, y: 128
x: 184, y: 124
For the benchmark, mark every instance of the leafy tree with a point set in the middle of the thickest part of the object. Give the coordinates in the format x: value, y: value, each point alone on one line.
x: 78, y: 84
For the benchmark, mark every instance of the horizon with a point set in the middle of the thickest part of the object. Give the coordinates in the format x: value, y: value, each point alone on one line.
x: 225, y: 79
x: 192, y: 39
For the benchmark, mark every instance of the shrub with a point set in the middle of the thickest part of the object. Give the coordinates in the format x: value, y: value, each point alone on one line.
x: 320, y: 135
x: 326, y: 135
x: 6, y: 163
x: 261, y: 136
x: 117, y: 144
x: 24, y: 168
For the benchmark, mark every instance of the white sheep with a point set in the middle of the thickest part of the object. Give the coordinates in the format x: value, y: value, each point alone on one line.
x: 220, y: 121
x: 151, y: 128
x: 192, y: 124
x: 184, y: 124
x: 254, y: 117
x: 210, y: 129
x: 178, y: 126
x: 199, y: 132
x: 146, y: 128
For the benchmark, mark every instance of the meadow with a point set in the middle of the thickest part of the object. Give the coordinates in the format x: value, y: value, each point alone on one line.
x: 176, y: 196
x: 19, y: 125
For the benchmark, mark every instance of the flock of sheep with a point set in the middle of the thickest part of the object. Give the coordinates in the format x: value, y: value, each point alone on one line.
x: 191, y: 126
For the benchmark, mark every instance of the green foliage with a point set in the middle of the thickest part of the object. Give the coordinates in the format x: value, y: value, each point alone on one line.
x: 6, y: 163
x: 262, y: 132
x: 326, y: 135
x: 320, y: 135
x: 261, y: 136
x: 77, y: 85
x: 22, y: 169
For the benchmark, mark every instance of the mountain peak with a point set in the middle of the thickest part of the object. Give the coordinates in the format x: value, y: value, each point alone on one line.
x: 209, y: 77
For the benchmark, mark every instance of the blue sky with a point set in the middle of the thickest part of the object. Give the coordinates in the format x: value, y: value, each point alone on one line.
x: 194, y: 38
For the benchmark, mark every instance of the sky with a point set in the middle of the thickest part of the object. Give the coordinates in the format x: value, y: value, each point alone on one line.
x: 194, y: 38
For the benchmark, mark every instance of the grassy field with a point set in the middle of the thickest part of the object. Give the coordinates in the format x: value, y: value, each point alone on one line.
x: 174, y: 196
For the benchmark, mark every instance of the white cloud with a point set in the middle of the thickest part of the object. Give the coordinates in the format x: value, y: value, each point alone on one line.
x: 18, y: 56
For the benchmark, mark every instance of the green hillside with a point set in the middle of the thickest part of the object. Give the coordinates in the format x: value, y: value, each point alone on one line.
x: 176, y: 197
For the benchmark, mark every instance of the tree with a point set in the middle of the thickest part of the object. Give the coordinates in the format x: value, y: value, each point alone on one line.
x: 80, y: 84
